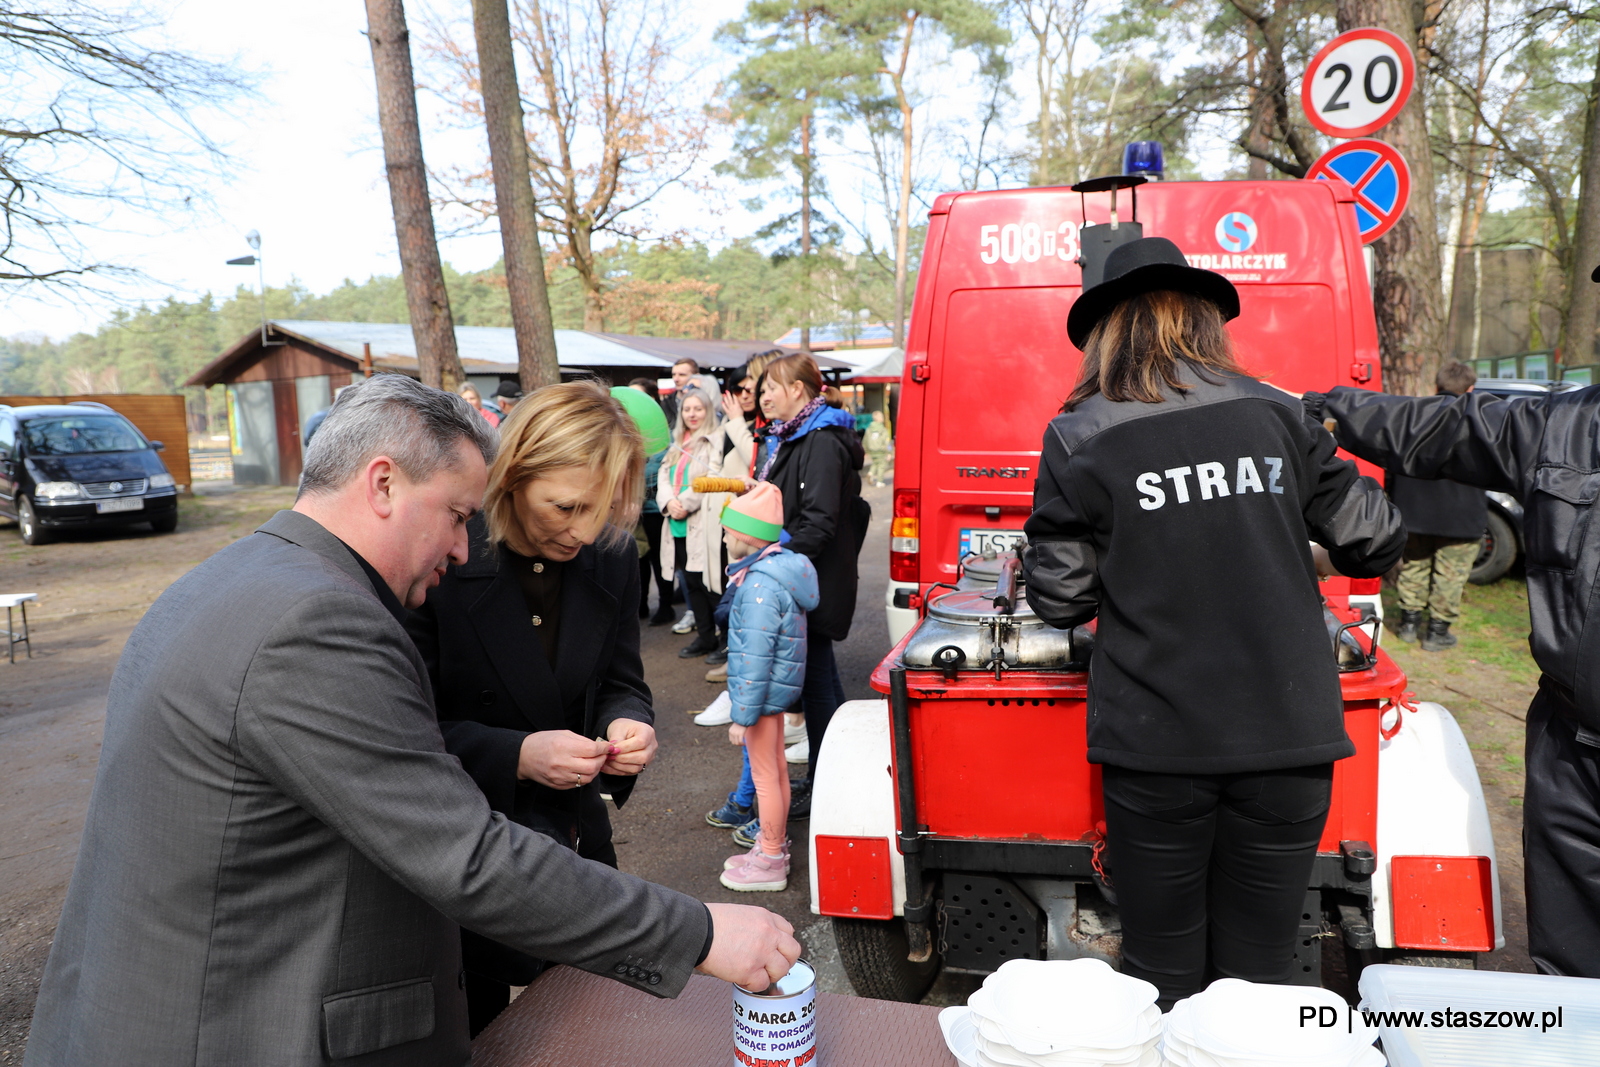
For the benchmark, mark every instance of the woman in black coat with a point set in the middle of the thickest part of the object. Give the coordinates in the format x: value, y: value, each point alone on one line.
x: 815, y: 458
x: 1176, y: 501
x: 532, y: 645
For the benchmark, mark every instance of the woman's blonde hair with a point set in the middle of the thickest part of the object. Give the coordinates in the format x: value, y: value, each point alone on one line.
x: 574, y: 424
x: 468, y: 387
x: 800, y: 367
x: 1143, y: 342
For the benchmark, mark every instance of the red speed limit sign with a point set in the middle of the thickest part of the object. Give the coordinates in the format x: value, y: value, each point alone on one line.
x: 1358, y: 82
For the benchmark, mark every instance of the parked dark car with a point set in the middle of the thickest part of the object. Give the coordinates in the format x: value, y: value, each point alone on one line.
x: 1502, y: 541
x: 80, y: 466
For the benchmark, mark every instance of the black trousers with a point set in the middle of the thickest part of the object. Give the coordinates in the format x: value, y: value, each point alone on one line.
x: 1211, y: 871
x: 492, y: 968
x: 1561, y: 840
x: 700, y: 602
x: 650, y: 565
x: 821, y: 693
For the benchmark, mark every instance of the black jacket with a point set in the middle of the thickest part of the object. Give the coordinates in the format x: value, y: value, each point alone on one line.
x: 823, y: 513
x: 1185, y: 526
x: 1438, y: 507
x: 493, y: 686
x: 1545, y: 452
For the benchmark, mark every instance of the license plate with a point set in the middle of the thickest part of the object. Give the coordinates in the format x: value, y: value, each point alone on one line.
x: 984, y: 541
x: 126, y: 503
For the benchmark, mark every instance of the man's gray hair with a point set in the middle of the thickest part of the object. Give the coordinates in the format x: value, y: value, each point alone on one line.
x: 395, y: 416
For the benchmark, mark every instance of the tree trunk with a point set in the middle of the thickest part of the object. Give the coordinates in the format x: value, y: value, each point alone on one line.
x: 537, y: 365
x: 432, y: 328
x: 1406, y: 286
x: 805, y: 230
x: 902, y: 235
x: 1582, y: 316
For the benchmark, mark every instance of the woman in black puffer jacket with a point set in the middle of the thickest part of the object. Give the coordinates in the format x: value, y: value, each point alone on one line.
x: 815, y: 458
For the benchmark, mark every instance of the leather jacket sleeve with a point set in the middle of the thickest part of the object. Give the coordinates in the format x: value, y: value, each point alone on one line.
x: 1061, y: 564
x: 1348, y: 514
x: 1477, y: 439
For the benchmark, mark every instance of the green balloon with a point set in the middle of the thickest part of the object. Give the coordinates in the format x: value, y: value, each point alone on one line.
x: 647, y: 415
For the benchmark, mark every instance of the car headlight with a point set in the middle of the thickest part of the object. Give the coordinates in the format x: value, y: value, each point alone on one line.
x: 57, y: 490
x: 161, y: 481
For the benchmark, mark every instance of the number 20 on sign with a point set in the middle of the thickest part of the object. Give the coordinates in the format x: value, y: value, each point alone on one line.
x: 1358, y: 83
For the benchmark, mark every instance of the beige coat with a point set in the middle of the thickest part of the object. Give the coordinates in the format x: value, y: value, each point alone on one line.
x: 703, y: 539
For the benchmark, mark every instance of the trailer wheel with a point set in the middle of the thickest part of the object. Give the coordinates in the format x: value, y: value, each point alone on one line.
x: 873, y: 952
x: 1460, y: 961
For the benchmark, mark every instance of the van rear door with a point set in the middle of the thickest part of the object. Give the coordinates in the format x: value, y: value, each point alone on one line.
x: 998, y: 362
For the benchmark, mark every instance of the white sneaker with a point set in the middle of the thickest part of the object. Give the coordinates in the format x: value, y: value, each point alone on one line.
x: 800, y: 753
x: 719, y: 713
x: 791, y: 734
x: 685, y: 624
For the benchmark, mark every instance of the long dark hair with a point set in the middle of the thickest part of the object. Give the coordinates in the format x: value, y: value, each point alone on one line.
x: 1142, y: 343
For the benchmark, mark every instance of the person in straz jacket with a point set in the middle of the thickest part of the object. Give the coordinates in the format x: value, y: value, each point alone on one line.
x: 1177, y: 498
x: 532, y: 644
x: 279, y: 848
x: 1444, y: 532
x: 814, y: 457
x: 773, y: 590
x: 1545, y: 452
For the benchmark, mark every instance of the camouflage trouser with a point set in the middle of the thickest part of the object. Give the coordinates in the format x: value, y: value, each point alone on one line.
x: 880, y: 467
x: 1433, y: 574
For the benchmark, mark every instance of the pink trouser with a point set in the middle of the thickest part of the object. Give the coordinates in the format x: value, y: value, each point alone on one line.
x: 764, y: 744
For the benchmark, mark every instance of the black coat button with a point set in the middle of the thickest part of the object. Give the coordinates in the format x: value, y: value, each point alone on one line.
x: 621, y: 968
x: 655, y: 979
x: 486, y: 697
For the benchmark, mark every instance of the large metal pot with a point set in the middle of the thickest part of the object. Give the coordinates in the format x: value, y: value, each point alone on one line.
x: 964, y: 630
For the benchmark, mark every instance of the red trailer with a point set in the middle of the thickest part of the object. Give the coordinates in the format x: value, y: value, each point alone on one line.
x: 935, y: 841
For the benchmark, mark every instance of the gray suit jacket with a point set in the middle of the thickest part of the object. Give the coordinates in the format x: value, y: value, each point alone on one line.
x: 278, y: 848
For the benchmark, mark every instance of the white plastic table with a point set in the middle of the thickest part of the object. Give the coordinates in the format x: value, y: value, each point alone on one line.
x: 12, y: 601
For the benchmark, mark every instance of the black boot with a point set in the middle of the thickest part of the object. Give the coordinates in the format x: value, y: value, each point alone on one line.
x: 1438, y: 638
x: 1409, y: 621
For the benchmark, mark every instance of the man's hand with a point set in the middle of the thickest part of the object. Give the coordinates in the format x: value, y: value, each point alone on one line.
x: 750, y: 946
x: 562, y: 759
x: 735, y: 734
x: 633, y: 746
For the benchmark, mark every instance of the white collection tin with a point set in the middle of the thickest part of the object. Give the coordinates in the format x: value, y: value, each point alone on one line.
x: 778, y: 1027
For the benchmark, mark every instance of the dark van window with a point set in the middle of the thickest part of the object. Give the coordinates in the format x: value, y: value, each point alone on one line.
x: 8, y: 437
x: 75, y: 434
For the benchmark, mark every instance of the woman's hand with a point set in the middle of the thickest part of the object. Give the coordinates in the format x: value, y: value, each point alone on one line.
x: 633, y: 746
x: 735, y: 734
x: 676, y: 510
x: 731, y: 408
x: 562, y: 759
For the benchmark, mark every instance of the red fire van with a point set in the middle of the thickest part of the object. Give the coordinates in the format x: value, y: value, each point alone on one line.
x: 932, y: 844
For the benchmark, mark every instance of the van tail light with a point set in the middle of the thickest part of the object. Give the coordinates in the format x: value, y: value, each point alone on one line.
x: 1365, y: 586
x: 904, y: 538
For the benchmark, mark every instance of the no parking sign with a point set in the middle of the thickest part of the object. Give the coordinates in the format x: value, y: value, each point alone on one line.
x: 1379, y: 176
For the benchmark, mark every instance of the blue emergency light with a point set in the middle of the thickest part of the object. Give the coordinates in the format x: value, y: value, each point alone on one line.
x: 1143, y: 158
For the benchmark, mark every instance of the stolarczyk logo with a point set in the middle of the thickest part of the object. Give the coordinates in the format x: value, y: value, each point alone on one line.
x: 1236, y: 231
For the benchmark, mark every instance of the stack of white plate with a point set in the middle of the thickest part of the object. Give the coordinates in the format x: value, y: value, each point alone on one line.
x: 1243, y: 1024
x: 1056, y: 1013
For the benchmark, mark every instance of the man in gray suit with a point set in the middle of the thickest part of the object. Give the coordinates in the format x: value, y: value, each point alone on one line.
x: 278, y: 849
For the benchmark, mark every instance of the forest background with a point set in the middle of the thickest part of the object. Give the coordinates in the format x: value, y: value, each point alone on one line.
x: 836, y: 124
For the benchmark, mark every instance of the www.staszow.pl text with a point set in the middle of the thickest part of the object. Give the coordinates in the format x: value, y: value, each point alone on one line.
x: 1443, y: 1019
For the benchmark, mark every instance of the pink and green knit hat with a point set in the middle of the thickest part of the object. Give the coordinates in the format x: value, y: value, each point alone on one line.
x: 757, y: 516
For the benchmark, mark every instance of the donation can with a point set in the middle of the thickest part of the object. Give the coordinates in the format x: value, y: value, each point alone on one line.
x: 777, y: 1027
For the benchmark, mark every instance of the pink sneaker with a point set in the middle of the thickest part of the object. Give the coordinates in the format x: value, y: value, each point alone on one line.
x: 734, y: 861
x: 759, y: 873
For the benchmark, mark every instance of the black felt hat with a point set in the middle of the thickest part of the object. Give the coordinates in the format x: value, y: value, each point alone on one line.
x: 1144, y: 266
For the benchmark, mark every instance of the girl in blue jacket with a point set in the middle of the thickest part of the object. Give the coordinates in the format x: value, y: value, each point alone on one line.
x: 766, y: 669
